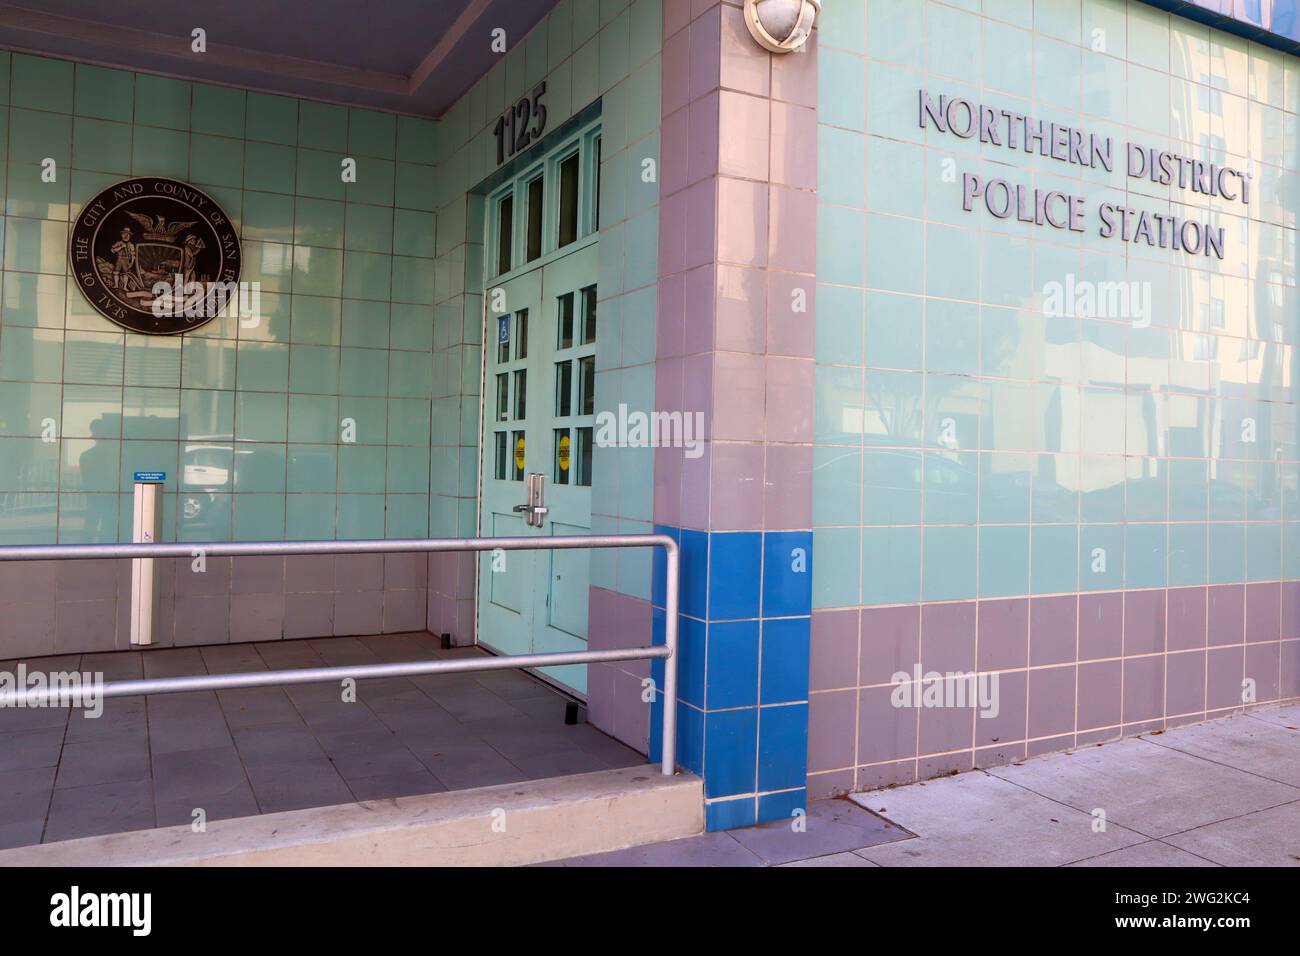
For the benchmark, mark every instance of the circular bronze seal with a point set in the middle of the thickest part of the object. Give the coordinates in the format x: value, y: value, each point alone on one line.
x: 156, y: 256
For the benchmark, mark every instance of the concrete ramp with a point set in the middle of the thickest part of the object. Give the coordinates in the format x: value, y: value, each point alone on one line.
x: 506, y: 825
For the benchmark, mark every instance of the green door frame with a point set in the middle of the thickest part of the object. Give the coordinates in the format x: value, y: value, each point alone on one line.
x: 540, y: 232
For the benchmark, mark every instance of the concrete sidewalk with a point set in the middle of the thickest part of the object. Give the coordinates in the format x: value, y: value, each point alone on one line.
x: 1225, y: 792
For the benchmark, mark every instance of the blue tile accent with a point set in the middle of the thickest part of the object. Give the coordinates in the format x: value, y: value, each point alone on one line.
x: 695, y: 573
x: 730, y: 737
x: 782, y: 747
x: 733, y: 665
x: 656, y: 625
x: 690, y: 735
x: 734, y: 575
x: 693, y: 646
x: 730, y: 814
x: 690, y: 739
x: 787, y: 573
x: 781, y: 806
x: 658, y: 564
x: 785, y: 660
x: 657, y: 640
x: 730, y: 656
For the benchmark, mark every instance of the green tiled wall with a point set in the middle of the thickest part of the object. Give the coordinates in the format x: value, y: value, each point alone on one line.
x: 1073, y: 434
x: 628, y: 280
x: 347, y: 329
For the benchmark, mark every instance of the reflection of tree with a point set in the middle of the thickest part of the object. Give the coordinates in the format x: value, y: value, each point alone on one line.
x: 900, y: 411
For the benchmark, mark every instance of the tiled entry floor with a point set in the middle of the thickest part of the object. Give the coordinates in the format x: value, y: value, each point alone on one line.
x: 152, y: 761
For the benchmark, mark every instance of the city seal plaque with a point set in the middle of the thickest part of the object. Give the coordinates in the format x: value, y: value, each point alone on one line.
x: 156, y: 256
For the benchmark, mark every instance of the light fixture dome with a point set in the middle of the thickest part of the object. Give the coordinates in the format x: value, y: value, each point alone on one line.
x: 781, y: 26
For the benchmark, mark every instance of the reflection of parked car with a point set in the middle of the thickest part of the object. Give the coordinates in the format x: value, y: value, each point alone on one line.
x: 1226, y: 500
x: 207, y: 479
x: 1229, y: 499
x: 208, y: 466
x: 1146, y: 496
x: 899, y: 470
x: 948, y: 482
x: 1004, y: 492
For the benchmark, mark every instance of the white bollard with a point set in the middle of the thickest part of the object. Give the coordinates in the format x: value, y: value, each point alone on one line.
x: 146, y: 522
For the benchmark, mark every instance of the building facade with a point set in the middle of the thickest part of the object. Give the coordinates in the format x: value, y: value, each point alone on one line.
x: 956, y: 350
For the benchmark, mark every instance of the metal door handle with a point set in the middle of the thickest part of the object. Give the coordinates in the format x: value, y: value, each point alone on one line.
x: 533, y: 510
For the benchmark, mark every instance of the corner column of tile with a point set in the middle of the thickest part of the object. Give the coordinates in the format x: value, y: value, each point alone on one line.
x: 457, y: 359
x: 735, y: 343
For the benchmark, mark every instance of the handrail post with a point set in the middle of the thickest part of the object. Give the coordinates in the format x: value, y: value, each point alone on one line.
x: 669, y: 746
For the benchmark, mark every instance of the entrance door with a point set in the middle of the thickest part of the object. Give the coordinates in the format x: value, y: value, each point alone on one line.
x: 539, y: 395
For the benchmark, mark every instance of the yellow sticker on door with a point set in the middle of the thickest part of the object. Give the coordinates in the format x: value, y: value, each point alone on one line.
x: 563, y: 453
x: 519, y: 452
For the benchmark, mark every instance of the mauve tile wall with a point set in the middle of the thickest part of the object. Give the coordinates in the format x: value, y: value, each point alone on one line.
x: 614, y: 691
x: 84, y: 606
x: 451, y: 607
x: 1071, y: 670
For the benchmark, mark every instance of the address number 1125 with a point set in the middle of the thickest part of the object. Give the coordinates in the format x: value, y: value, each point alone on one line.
x: 513, y: 129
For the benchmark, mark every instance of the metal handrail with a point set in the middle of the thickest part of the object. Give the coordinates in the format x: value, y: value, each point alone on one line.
x: 315, y: 675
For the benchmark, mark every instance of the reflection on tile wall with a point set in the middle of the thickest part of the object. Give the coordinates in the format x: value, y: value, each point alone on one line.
x: 247, y: 422
x: 1106, y: 490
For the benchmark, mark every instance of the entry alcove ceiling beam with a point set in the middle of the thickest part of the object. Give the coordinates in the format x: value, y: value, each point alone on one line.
x: 409, y: 56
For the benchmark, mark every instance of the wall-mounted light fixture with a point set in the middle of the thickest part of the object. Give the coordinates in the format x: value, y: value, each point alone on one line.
x: 781, y: 26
